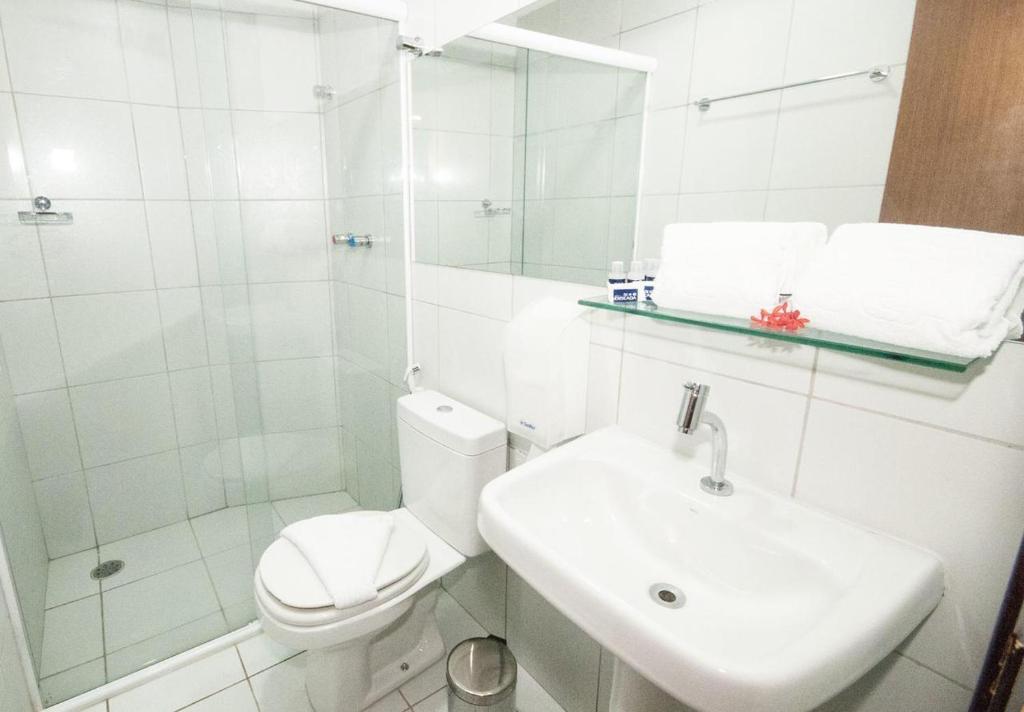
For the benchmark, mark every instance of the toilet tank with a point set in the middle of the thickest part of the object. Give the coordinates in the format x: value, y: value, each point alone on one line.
x: 448, y: 453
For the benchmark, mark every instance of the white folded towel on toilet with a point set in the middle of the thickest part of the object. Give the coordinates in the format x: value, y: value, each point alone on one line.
x: 732, y: 268
x: 345, y: 552
x: 940, y: 289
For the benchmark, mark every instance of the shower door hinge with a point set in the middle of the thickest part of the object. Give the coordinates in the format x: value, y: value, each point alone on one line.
x: 415, y: 46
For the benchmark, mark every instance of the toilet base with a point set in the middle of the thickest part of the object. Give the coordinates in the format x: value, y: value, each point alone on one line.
x: 352, y: 676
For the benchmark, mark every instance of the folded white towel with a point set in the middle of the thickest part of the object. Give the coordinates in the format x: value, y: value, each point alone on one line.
x: 348, y: 572
x: 939, y: 289
x: 732, y: 268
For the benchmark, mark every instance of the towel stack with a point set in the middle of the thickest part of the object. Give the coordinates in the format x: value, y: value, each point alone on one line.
x: 938, y: 289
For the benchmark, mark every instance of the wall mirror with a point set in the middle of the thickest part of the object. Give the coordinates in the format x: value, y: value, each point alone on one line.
x: 525, y: 162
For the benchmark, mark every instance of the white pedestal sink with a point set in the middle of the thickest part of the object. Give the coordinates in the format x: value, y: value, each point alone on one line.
x: 748, y: 603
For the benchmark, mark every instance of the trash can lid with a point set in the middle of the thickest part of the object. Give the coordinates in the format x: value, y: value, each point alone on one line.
x: 481, y: 671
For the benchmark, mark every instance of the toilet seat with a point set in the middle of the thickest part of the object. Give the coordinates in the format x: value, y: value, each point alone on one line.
x: 291, y: 591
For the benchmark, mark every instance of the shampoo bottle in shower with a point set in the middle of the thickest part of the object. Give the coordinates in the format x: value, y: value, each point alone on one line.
x: 617, y: 291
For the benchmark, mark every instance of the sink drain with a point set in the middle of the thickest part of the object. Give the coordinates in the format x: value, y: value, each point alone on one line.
x: 107, y: 569
x: 667, y: 595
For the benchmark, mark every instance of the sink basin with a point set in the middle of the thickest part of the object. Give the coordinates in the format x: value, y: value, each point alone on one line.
x: 777, y: 606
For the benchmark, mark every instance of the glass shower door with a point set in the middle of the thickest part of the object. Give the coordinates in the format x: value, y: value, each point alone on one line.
x: 189, y: 362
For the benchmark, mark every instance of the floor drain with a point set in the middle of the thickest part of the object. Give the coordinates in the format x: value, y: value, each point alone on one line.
x: 107, y: 569
x: 665, y: 594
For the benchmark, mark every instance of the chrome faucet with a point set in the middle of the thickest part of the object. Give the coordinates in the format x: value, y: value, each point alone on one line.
x: 691, y: 416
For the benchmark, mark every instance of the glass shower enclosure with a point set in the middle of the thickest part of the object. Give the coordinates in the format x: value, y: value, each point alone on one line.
x: 188, y: 362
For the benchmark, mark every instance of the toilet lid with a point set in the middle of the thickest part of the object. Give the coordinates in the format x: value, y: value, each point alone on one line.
x: 288, y: 576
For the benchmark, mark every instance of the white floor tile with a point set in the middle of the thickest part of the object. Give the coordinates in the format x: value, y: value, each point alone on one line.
x: 71, y: 635
x: 160, y: 647
x: 437, y: 702
x: 183, y: 687
x: 261, y: 652
x: 63, y: 685
x: 150, y: 553
x: 531, y: 697
x: 232, y: 573
x: 282, y: 688
x: 425, y: 684
x: 237, y: 698
x: 393, y: 702
x: 143, y: 609
x: 221, y: 530
x: 69, y: 580
x: 456, y: 625
x: 292, y: 510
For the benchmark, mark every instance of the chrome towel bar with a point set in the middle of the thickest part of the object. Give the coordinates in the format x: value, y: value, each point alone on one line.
x: 353, y: 240
x: 875, y: 74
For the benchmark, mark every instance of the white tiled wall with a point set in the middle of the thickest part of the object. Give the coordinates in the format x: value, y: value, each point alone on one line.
x: 930, y: 457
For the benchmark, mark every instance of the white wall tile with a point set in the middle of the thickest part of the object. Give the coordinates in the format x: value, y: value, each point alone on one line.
x: 930, y: 478
x: 284, y: 240
x: 763, y: 361
x: 471, y: 352
x: 898, y: 683
x: 202, y: 473
x: 64, y: 509
x: 765, y: 450
x: 832, y: 206
x: 297, y: 394
x: 740, y: 45
x: 278, y: 155
x: 13, y: 181
x: 148, y: 60
x: 462, y: 167
x: 271, y: 62
x: 837, y: 36
x: 77, y: 148
x: 302, y: 463
x: 663, y: 151
x: 361, y: 316
x: 209, y: 154
x: 978, y: 402
x: 117, y: 420
x: 656, y: 211
x: 161, y: 154
x: 642, y: 12
x: 136, y: 496
x: 181, y: 314
x: 742, y: 205
x: 183, y: 53
x: 108, y: 336
x: 425, y: 340
x: 603, y: 387
x: 79, y: 56
x: 358, y: 158
x: 562, y: 657
x: 670, y: 41
x: 220, y: 248
x: 79, y: 257
x: 31, y: 346
x: 481, y: 293
x: 852, y: 121
x: 194, y: 415
x: 729, y: 147
x: 21, y: 261
x: 211, y: 58
x: 291, y: 320
x: 48, y: 430
x: 172, y: 243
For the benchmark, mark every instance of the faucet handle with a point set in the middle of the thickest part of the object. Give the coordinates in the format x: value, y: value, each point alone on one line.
x: 691, y: 411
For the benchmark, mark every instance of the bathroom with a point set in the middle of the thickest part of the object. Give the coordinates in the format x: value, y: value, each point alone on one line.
x: 242, y: 240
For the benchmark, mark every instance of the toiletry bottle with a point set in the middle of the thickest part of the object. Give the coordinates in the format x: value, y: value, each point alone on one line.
x: 617, y: 283
x: 650, y: 272
x: 635, y: 280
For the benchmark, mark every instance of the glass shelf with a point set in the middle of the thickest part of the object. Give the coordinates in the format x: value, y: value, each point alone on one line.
x: 808, y: 336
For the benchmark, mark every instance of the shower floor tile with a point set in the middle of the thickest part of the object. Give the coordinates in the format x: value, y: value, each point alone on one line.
x: 68, y: 579
x: 182, y: 585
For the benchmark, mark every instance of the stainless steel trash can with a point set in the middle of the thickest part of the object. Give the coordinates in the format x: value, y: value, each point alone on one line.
x: 481, y: 674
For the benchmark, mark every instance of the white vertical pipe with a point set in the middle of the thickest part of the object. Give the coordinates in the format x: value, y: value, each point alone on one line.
x: 408, y: 208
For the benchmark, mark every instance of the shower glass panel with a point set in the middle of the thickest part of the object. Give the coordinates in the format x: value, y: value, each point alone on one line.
x: 191, y: 363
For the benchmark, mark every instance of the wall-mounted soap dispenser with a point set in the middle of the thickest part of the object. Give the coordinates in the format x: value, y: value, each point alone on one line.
x: 547, y: 352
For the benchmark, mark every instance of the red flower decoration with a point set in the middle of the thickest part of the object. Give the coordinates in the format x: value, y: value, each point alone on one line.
x: 781, y: 318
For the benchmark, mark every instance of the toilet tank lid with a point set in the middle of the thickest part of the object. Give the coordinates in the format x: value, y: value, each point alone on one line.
x: 453, y: 424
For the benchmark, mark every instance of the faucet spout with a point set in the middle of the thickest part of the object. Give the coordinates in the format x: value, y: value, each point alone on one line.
x: 692, y: 414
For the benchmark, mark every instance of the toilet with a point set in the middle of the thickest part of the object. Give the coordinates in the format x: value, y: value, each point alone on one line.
x: 357, y: 655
